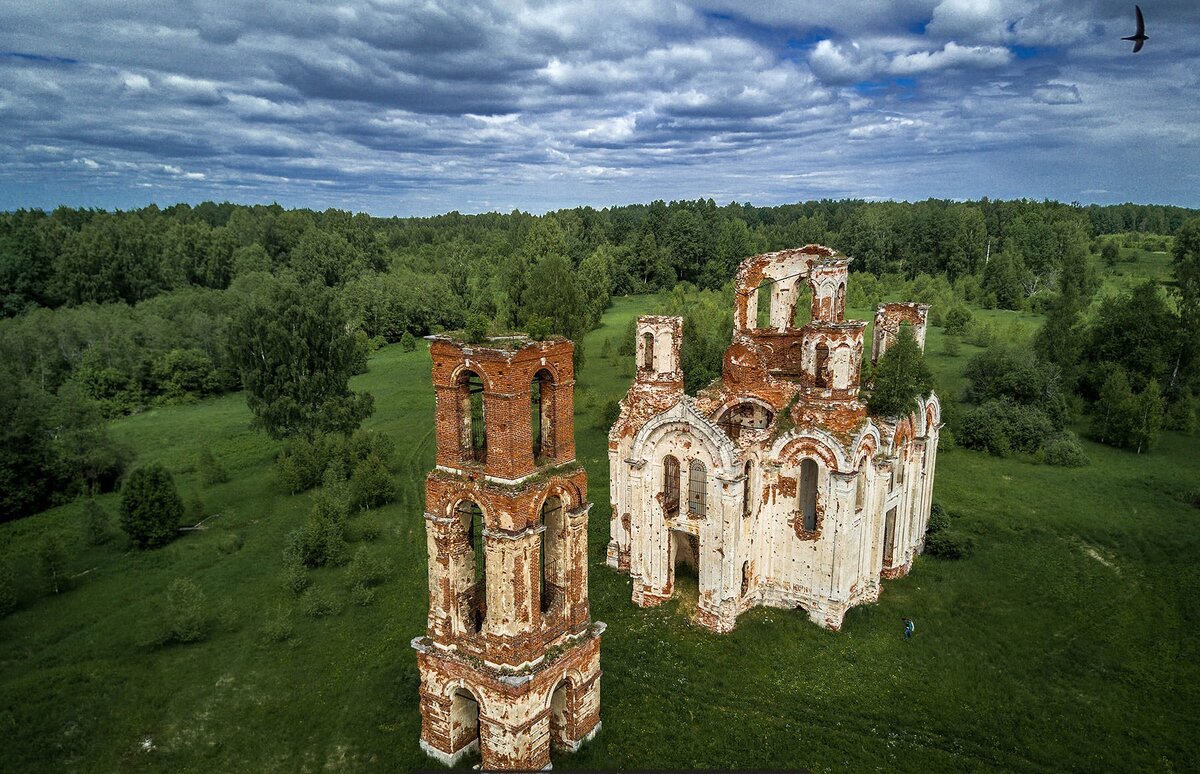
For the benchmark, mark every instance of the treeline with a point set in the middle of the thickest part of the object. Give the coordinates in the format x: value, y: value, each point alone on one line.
x: 109, y: 312
x: 70, y: 257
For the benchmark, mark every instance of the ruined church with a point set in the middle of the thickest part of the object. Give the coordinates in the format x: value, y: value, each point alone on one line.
x: 510, y: 661
x: 773, y: 485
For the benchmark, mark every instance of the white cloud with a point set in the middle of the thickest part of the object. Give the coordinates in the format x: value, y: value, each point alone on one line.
x: 1058, y: 94
x: 950, y: 56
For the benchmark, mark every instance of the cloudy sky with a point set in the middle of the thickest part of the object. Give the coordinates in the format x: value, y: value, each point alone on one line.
x: 412, y: 107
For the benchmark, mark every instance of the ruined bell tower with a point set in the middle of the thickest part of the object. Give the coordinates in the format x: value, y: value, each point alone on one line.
x: 510, y: 663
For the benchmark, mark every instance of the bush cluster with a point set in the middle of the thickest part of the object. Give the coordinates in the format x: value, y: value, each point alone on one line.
x: 151, y: 508
x: 1065, y: 451
x: 941, y: 540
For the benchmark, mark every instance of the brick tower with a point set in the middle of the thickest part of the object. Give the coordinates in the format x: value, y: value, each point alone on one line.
x: 510, y: 665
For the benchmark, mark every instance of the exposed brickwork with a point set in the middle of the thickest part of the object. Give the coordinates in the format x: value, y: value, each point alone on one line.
x: 889, y: 318
x: 510, y: 660
x: 786, y: 395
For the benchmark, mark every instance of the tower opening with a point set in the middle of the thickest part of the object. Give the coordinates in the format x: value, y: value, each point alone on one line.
x: 541, y: 416
x: 474, y: 600
x: 670, y: 490
x: 808, y: 494
x: 472, y: 416
x: 553, y: 555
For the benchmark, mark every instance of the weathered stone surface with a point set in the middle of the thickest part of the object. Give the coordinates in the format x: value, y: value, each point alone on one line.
x: 510, y: 663
x: 773, y: 481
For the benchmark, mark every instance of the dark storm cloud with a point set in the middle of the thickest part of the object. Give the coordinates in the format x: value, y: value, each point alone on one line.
x: 421, y: 107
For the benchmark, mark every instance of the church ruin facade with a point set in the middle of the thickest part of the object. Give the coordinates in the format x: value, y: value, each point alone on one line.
x: 772, y: 485
x: 510, y: 662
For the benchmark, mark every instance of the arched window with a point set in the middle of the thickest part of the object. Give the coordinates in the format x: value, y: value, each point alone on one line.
x: 471, y: 414
x: 553, y: 555
x: 648, y: 351
x: 541, y: 416
x: 802, y: 311
x: 471, y: 519
x: 744, y: 416
x: 860, y: 486
x: 807, y: 492
x: 747, y: 490
x: 762, y: 311
x: 697, y: 490
x: 464, y: 719
x: 821, y: 365
x: 839, y: 302
x: 670, y: 490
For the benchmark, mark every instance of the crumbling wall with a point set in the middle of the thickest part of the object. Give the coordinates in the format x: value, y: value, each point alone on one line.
x: 494, y: 638
x: 889, y: 318
x: 758, y: 548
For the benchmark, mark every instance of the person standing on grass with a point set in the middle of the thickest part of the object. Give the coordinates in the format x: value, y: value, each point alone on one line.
x: 909, y: 627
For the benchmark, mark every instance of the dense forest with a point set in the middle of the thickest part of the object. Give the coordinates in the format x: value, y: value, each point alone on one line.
x: 106, y: 313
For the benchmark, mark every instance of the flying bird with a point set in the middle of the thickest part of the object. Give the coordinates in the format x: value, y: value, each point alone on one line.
x: 1141, y: 36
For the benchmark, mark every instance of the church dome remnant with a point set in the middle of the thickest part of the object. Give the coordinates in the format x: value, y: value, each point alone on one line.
x: 773, y: 483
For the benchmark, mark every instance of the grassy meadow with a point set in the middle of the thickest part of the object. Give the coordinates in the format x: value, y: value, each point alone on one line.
x: 1067, y: 642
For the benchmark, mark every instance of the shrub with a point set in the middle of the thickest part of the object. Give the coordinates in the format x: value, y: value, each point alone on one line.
x: 368, y: 531
x: 229, y: 543
x: 279, y: 627
x: 319, y: 603
x: 363, y: 444
x: 979, y: 333
x: 322, y: 539
x: 300, y: 466
x: 900, y: 376
x: 211, y: 469
x: 956, y: 320
x: 476, y: 329
x: 609, y: 413
x: 8, y: 587
x: 371, y: 485
x: 150, y: 506
x: 366, y: 570
x: 1064, y: 450
x: 362, y: 595
x: 950, y: 347
x: 408, y: 342
x: 294, y: 576
x: 983, y: 430
x: 939, y: 519
x: 539, y: 328
x: 1181, y: 415
x: 95, y: 522
x: 948, y: 544
x: 195, y: 509
x: 52, y: 562
x: 185, y: 615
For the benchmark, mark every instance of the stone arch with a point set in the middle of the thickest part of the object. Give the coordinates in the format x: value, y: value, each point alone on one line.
x: 867, y: 442
x: 562, y: 702
x: 552, y: 554
x: 471, y: 411
x: 813, y: 442
x: 685, y: 418
x: 564, y: 490
x: 471, y: 575
x: 543, y: 408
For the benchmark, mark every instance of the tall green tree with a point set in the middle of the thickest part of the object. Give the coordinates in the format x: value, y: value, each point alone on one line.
x: 1186, y: 263
x: 901, y: 376
x: 296, y: 355
x: 151, y: 507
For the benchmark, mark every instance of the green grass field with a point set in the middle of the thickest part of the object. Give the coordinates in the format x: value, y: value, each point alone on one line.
x: 1068, y: 641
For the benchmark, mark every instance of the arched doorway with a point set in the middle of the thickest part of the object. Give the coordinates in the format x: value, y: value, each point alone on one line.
x: 464, y: 721
x: 562, y: 720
